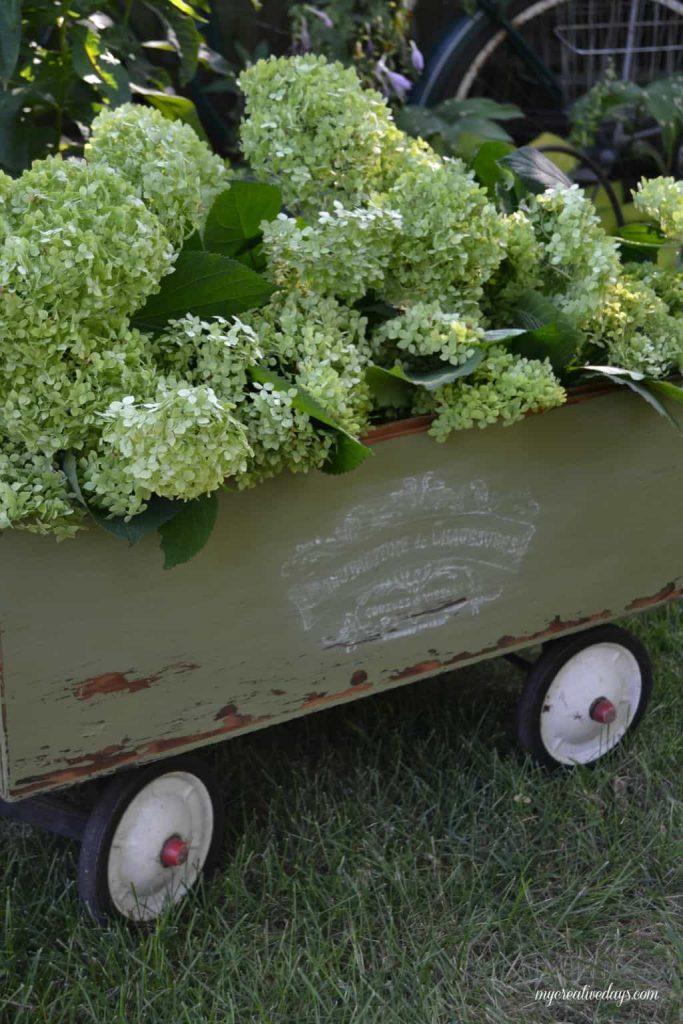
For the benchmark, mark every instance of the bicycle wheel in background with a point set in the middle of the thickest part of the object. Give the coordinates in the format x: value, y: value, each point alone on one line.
x: 576, y: 40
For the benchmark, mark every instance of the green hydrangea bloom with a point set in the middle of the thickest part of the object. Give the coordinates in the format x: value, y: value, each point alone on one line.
x: 666, y: 283
x: 578, y: 262
x: 181, y: 445
x: 34, y: 493
x: 452, y: 238
x: 52, y: 404
x: 343, y: 253
x: 165, y: 162
x: 520, y: 269
x: 635, y: 328
x: 662, y: 200
x: 280, y: 437
x: 76, y: 245
x: 320, y: 345
x: 310, y: 124
x: 503, y: 388
x: 426, y: 329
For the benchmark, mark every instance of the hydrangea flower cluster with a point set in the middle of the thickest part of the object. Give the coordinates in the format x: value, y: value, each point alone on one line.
x: 635, y: 328
x: 425, y: 329
x: 578, y: 261
x: 321, y: 346
x: 182, y: 445
x: 452, y: 237
x: 312, y: 126
x: 344, y: 253
x: 398, y: 256
x: 504, y: 387
x: 662, y: 200
x: 34, y: 490
x: 165, y: 162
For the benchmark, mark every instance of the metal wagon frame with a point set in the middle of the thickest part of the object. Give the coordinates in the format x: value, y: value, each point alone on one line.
x: 317, y: 590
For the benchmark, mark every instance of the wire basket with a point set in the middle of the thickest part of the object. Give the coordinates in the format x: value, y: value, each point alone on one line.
x: 640, y: 40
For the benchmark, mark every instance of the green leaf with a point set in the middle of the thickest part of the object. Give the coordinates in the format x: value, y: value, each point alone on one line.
x: 496, y: 179
x: 642, y: 386
x: 347, y: 454
x: 186, y: 36
x: 477, y: 127
x: 204, y: 284
x: 535, y: 170
x: 390, y: 388
x: 420, y: 121
x: 503, y: 334
x: 479, y: 107
x: 10, y: 37
x: 175, y: 108
x: 236, y: 216
x: 432, y: 380
x: 640, y: 242
x: 93, y: 63
x: 548, y: 333
x: 533, y: 310
x: 352, y: 449
x: 187, y: 8
x: 158, y: 511
x: 186, y: 534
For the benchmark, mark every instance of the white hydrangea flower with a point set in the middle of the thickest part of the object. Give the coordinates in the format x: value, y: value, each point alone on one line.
x: 169, y: 167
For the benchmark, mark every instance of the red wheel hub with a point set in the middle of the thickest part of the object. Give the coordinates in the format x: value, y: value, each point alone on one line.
x: 603, y: 711
x: 174, y: 852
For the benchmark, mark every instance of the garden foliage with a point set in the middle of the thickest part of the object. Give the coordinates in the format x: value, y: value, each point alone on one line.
x: 167, y: 328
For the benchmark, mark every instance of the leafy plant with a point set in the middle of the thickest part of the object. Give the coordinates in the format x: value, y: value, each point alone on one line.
x: 171, y: 330
x: 62, y: 61
x: 458, y: 127
x: 615, y: 120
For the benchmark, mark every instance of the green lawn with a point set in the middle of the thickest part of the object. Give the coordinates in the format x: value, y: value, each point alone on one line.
x: 394, y: 861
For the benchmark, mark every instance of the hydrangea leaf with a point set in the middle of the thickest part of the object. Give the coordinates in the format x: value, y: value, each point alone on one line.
x: 186, y: 534
x: 432, y: 380
x: 547, y: 333
x: 204, y: 284
x: 347, y: 454
x: 640, y: 242
x: 535, y: 170
x: 175, y: 108
x: 489, y: 172
x: 390, y: 388
x: 237, y: 214
x: 644, y: 387
x: 158, y: 512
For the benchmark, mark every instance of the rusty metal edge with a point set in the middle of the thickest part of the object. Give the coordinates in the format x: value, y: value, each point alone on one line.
x: 111, y: 759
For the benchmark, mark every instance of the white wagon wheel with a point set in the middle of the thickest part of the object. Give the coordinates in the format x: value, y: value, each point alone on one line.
x: 583, y: 695
x: 151, y: 836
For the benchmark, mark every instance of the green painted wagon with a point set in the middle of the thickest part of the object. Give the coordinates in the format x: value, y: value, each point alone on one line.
x: 318, y: 590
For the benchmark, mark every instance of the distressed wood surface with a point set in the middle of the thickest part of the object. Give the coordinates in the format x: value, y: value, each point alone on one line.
x: 316, y: 590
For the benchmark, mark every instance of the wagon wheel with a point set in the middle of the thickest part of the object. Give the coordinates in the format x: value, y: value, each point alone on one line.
x: 583, y: 695
x: 151, y: 835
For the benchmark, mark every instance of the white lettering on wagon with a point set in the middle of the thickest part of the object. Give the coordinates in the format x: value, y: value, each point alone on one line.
x: 411, y: 561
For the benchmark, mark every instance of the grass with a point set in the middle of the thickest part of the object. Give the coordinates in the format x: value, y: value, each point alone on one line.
x: 395, y: 861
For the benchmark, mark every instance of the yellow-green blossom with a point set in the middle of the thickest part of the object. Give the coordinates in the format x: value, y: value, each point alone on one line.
x: 165, y: 162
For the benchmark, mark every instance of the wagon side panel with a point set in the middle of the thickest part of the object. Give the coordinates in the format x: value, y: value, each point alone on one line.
x: 318, y: 590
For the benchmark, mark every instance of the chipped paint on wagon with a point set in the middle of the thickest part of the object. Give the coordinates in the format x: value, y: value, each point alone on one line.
x: 114, y: 756
x: 118, y: 682
x: 316, y: 700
